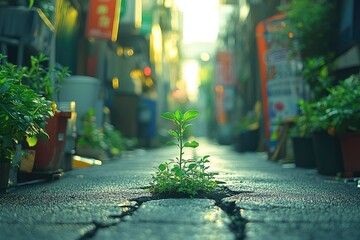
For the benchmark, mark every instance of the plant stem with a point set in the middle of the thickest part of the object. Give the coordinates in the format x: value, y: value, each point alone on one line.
x: 180, y: 144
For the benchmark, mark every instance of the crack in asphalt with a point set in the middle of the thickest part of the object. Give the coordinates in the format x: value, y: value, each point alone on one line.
x: 236, y: 226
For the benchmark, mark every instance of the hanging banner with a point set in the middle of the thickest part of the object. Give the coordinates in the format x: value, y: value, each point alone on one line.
x: 224, y: 96
x: 103, y: 19
x: 281, y: 86
x: 224, y: 86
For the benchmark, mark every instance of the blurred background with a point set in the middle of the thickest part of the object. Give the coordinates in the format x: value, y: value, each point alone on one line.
x: 238, y: 62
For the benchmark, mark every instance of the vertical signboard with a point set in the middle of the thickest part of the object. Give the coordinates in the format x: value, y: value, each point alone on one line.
x: 281, y: 86
x: 103, y: 19
x: 224, y: 84
x: 225, y: 95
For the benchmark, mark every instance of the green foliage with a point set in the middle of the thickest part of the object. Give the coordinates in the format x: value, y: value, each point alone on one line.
x: 312, y: 22
x: 251, y: 120
x: 342, y: 106
x: 31, y: 3
x: 107, y: 138
x: 339, y: 111
x: 39, y: 77
x: 114, y: 140
x: 23, y: 112
x: 184, y: 176
x: 303, y: 125
x: 91, y: 135
x: 316, y: 75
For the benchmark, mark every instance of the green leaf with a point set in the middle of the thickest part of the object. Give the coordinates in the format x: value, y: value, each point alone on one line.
x: 186, y: 126
x: 32, y: 141
x: 192, y: 144
x: 191, y: 114
x: 4, y: 88
x: 205, y: 157
x: 192, y: 165
x: 175, y: 168
x: 178, y: 116
x: 173, y: 133
x: 168, y: 115
x: 162, y: 167
x: 171, y: 144
x: 179, y: 173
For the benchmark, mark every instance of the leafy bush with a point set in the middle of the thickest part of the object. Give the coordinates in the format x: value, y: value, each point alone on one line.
x: 39, y: 77
x: 106, y: 138
x: 339, y: 111
x: 23, y: 112
x: 312, y: 22
x: 115, y: 141
x: 91, y: 135
x: 342, y: 106
x: 316, y: 73
x: 184, y: 176
x: 303, y: 126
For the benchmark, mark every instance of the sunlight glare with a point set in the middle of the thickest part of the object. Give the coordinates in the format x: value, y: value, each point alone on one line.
x: 201, y: 20
x: 191, y: 77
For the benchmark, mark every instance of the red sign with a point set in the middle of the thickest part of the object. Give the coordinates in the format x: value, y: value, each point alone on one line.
x: 103, y: 19
x: 223, y: 68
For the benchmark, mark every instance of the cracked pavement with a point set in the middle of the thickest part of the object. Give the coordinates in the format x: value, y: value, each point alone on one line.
x: 102, y: 202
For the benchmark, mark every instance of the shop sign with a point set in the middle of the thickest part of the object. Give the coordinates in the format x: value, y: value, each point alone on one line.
x: 282, y: 87
x: 103, y: 19
x: 224, y: 90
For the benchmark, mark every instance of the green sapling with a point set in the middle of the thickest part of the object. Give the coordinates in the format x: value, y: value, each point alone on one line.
x: 180, y: 175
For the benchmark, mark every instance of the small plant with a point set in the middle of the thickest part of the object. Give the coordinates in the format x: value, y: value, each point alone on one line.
x: 23, y: 112
x: 91, y: 135
x: 251, y: 120
x: 316, y: 73
x: 104, y: 141
x: 303, y: 126
x: 180, y: 175
x: 114, y: 140
x: 337, y: 112
x: 44, y: 80
x: 341, y: 108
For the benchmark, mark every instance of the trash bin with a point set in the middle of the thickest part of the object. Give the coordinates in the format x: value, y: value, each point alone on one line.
x: 85, y: 92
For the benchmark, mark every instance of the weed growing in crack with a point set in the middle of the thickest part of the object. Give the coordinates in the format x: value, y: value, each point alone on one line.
x: 180, y: 175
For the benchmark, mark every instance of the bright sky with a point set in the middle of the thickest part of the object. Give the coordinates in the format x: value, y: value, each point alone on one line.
x: 201, y: 20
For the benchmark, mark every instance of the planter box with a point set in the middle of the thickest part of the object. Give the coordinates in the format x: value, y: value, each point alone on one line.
x: 304, y: 155
x: 350, y: 146
x: 328, y: 154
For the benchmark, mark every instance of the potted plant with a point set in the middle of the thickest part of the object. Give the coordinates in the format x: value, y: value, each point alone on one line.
x: 91, y: 141
x: 326, y: 144
x: 342, y: 117
x: 248, y: 131
x: 23, y: 114
x: 302, y: 141
x: 47, y: 81
x: 335, y: 119
x: 99, y: 142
